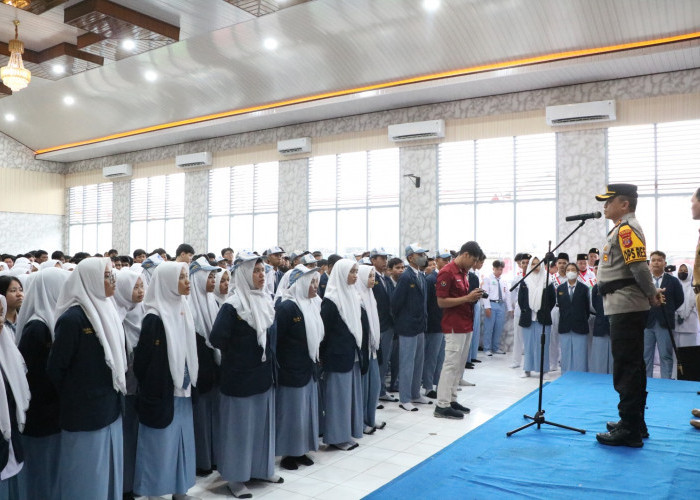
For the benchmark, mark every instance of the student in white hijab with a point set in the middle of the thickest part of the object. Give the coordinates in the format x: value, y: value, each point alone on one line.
x: 148, y: 267
x: 22, y: 266
x: 206, y: 408
x: 167, y: 368
x: 299, y: 335
x: 247, y: 408
x: 536, y: 306
x: 12, y: 288
x: 370, y: 379
x: 41, y: 438
x: 51, y: 263
x: 341, y: 313
x: 87, y: 364
x: 128, y: 300
x: 687, y: 326
x: 221, y: 287
x: 14, y: 402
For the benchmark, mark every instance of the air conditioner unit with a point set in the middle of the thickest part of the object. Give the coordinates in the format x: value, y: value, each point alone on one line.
x: 584, y: 112
x: 432, y: 129
x: 294, y: 146
x: 114, y: 171
x: 193, y: 160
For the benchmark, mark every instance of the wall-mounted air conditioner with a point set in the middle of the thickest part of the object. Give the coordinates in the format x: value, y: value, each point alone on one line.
x: 294, y: 146
x: 432, y: 129
x: 193, y: 160
x: 584, y: 112
x: 115, y: 171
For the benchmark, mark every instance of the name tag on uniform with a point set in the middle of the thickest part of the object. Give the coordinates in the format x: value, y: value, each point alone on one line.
x: 561, y: 293
x: 296, y: 319
x: 412, y: 285
x: 157, y: 342
x: 88, y: 331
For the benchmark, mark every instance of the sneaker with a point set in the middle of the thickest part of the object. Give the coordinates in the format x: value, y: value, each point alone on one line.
x: 422, y: 401
x: 464, y: 383
x: 489, y: 353
x: 407, y: 407
x: 431, y: 394
x: 448, y: 412
x: 499, y: 351
x: 476, y: 360
x: 515, y: 365
x: 524, y: 374
x: 620, y: 437
x: 389, y: 398
x: 456, y: 406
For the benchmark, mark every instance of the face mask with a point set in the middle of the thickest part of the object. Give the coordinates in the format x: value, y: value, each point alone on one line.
x: 682, y: 276
x: 571, y: 275
x: 421, y: 260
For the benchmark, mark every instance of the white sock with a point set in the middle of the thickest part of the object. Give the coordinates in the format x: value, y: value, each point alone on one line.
x: 239, y: 490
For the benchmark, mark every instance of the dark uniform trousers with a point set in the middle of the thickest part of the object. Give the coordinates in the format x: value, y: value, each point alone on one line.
x: 629, y: 370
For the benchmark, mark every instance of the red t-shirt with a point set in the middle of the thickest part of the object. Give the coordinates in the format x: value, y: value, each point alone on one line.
x: 453, y: 282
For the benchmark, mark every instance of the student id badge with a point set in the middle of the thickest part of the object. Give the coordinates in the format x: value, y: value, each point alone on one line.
x: 632, y: 246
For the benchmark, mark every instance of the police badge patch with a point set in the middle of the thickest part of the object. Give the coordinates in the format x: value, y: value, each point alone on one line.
x: 443, y: 283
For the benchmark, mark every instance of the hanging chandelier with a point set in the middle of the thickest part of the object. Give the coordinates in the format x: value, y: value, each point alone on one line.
x: 14, y: 75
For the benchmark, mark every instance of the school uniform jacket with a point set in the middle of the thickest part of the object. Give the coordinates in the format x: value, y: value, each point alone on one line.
x: 382, y: 290
x: 338, y: 348
x: 573, y: 313
x: 544, y: 315
x: 409, y: 304
x: 209, y: 373
x: 295, y: 366
x: 14, y: 429
x: 665, y: 314
x: 77, y: 368
x: 434, y: 312
x: 243, y: 372
x: 42, y: 415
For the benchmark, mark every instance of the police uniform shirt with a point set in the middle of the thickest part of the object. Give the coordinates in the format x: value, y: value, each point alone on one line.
x: 625, y: 246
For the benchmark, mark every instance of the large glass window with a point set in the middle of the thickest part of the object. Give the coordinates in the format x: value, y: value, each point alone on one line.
x: 661, y: 159
x: 500, y: 192
x: 354, y: 202
x: 243, y: 203
x: 158, y: 212
x: 90, y: 218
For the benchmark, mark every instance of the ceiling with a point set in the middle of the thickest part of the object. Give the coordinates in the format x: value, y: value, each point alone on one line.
x: 220, y: 63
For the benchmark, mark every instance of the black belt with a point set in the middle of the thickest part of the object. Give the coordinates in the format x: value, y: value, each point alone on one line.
x: 614, y: 286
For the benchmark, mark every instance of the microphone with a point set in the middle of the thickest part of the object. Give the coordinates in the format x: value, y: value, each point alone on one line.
x: 594, y: 215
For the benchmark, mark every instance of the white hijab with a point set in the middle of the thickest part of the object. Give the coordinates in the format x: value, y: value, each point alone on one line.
x: 252, y: 305
x: 218, y: 296
x: 298, y: 292
x: 51, y: 263
x: 202, y: 303
x: 15, y: 372
x: 283, y: 285
x: 163, y: 300
x: 130, y: 313
x: 40, y: 304
x: 22, y: 266
x: 369, y: 303
x: 345, y: 297
x: 535, y: 284
x: 85, y: 287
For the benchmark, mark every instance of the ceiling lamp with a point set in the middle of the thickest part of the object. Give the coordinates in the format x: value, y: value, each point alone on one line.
x: 14, y: 75
x: 20, y: 4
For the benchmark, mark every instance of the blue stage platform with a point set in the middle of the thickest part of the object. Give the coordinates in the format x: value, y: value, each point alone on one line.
x: 555, y: 463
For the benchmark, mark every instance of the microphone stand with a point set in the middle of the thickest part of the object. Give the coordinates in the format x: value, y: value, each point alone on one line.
x: 539, y: 416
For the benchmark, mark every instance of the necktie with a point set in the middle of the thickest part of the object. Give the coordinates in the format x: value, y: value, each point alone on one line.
x: 571, y: 292
x: 500, y: 293
x: 186, y: 381
x: 657, y: 281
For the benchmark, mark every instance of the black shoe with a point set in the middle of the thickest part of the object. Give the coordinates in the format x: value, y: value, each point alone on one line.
x: 620, y: 437
x: 129, y: 495
x: 456, y: 406
x: 643, y: 430
x: 476, y: 360
x: 304, y: 460
x: 204, y: 472
x: 469, y: 366
x: 380, y: 407
x: 448, y: 413
x: 431, y: 394
x: 289, y: 463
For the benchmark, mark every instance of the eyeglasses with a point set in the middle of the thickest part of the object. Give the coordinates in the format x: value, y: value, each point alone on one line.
x: 111, y: 278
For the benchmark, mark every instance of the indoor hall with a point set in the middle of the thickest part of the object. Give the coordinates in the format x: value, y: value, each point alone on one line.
x: 341, y: 126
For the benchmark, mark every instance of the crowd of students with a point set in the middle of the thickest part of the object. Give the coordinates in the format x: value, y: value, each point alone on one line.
x: 132, y: 375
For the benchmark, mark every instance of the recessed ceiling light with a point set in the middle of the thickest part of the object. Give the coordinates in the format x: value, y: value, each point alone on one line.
x: 9, y: 117
x: 270, y: 44
x: 128, y: 44
x: 150, y: 75
x: 58, y: 69
x: 69, y: 100
x: 431, y: 5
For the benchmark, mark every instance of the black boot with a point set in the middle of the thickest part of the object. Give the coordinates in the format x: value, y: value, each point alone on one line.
x: 643, y: 430
x: 621, y: 436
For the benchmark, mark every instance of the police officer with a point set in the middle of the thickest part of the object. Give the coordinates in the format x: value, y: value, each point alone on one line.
x: 695, y: 210
x: 628, y: 291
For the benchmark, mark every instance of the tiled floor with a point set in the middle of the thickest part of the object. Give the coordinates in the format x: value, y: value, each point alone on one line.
x: 408, y: 439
